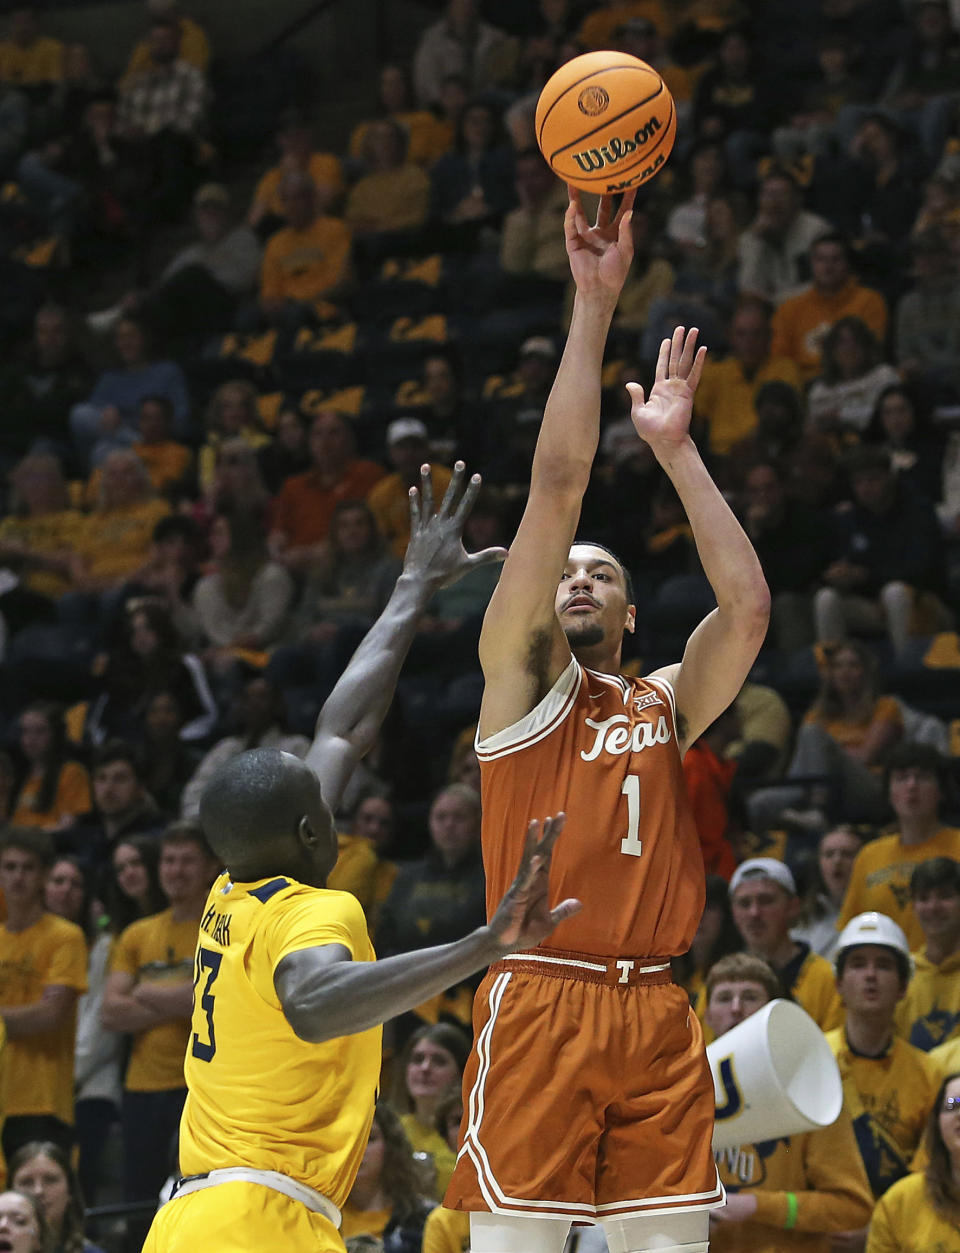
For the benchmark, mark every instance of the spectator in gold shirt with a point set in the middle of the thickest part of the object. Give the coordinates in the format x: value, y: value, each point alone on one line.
x: 43, y: 968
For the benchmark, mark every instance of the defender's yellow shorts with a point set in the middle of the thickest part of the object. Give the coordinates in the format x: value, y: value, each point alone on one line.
x: 240, y: 1217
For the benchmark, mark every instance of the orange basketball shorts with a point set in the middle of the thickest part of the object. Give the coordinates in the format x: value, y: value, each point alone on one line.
x: 587, y: 1094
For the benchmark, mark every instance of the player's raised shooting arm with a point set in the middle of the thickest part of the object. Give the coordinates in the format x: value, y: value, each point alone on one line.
x: 354, y: 711
x: 522, y: 648
x: 720, y: 652
x: 325, y: 995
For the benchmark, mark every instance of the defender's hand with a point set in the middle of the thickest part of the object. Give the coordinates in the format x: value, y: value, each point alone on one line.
x: 436, y: 551
x: 524, y: 916
x: 664, y: 418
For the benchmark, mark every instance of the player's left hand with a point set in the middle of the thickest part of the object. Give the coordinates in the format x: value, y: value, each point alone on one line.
x: 436, y: 552
x: 600, y: 255
x: 664, y: 417
x: 739, y: 1207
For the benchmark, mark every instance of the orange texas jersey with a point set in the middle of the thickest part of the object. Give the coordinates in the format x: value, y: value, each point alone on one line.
x: 604, y: 750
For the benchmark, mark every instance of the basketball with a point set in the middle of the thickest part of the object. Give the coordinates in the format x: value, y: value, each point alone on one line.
x: 605, y: 122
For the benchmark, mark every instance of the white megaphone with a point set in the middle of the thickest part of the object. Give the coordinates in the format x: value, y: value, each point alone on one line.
x: 774, y: 1074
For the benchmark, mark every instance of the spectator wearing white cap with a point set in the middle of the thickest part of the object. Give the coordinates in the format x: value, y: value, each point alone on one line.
x: 889, y: 1086
x: 408, y: 448
x: 763, y: 898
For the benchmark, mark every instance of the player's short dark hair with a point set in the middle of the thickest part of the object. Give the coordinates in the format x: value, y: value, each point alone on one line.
x: 627, y: 579
x: 187, y: 831
x: 35, y: 843
x: 251, y: 809
x: 935, y: 872
x: 119, y: 750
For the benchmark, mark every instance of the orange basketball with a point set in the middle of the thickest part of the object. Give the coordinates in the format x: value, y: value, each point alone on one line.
x: 606, y: 122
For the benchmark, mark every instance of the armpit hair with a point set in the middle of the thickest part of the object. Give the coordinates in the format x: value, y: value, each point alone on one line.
x: 682, y: 726
x: 538, y: 657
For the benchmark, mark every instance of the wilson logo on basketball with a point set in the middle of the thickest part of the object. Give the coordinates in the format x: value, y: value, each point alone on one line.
x: 592, y: 101
x: 616, y: 149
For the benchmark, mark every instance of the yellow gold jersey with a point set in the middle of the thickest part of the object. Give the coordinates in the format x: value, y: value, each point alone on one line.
x: 929, y: 1014
x: 258, y: 1095
x: 906, y: 1222
x: 889, y: 1099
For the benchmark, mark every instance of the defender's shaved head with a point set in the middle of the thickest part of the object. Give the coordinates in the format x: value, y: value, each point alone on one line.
x: 264, y: 814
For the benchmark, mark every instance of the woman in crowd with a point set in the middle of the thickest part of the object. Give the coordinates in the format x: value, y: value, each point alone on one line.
x: 236, y: 483
x: 68, y: 892
x: 108, y: 420
x: 231, y: 414
x: 169, y: 763
x: 244, y: 601
x: 115, y: 539
x: 853, y: 375
x: 149, y: 659
x: 56, y: 788
x: 42, y: 1170
x: 287, y: 453
x: 829, y: 876
x: 132, y: 887
x: 387, y: 1199
x: 38, y: 533
x: 448, y: 1230
x: 921, y: 1213
x: 433, y: 1059
x: 842, y: 744
x: 474, y: 184
x: 23, y: 1228
x: 901, y: 425
x: 428, y: 138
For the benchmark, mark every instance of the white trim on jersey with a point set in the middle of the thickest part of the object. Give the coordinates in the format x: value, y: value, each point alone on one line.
x: 500, y: 1203
x: 566, y: 961
x: 539, y: 722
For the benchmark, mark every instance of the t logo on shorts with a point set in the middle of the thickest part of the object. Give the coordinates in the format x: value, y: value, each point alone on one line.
x: 625, y: 966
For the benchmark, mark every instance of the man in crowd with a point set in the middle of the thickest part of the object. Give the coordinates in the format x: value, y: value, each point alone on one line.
x: 149, y: 995
x: 161, y: 111
x: 774, y: 248
x: 408, y: 449
x: 307, y: 501
x: 888, y: 1085
x: 763, y: 898
x: 43, y: 968
x: 801, y: 323
x: 728, y: 390
x: 783, y: 1192
x: 122, y: 805
x: 929, y: 1014
x: 880, y: 879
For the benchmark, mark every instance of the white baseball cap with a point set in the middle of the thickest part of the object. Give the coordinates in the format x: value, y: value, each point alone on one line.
x: 764, y: 868
x: 405, y: 428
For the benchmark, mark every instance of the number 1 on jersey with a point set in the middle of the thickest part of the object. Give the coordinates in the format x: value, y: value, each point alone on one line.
x: 631, y: 843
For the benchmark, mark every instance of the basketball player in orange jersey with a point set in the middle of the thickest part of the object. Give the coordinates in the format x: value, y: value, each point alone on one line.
x: 587, y: 1096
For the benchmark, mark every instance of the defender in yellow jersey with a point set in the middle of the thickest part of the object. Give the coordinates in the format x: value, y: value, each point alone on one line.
x: 889, y: 1087
x: 929, y: 1014
x: 284, y: 1052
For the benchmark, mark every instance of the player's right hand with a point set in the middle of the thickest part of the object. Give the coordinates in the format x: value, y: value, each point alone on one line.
x: 524, y: 916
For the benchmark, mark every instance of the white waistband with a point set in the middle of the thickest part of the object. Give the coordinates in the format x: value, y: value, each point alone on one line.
x: 309, y: 1197
x: 565, y: 961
